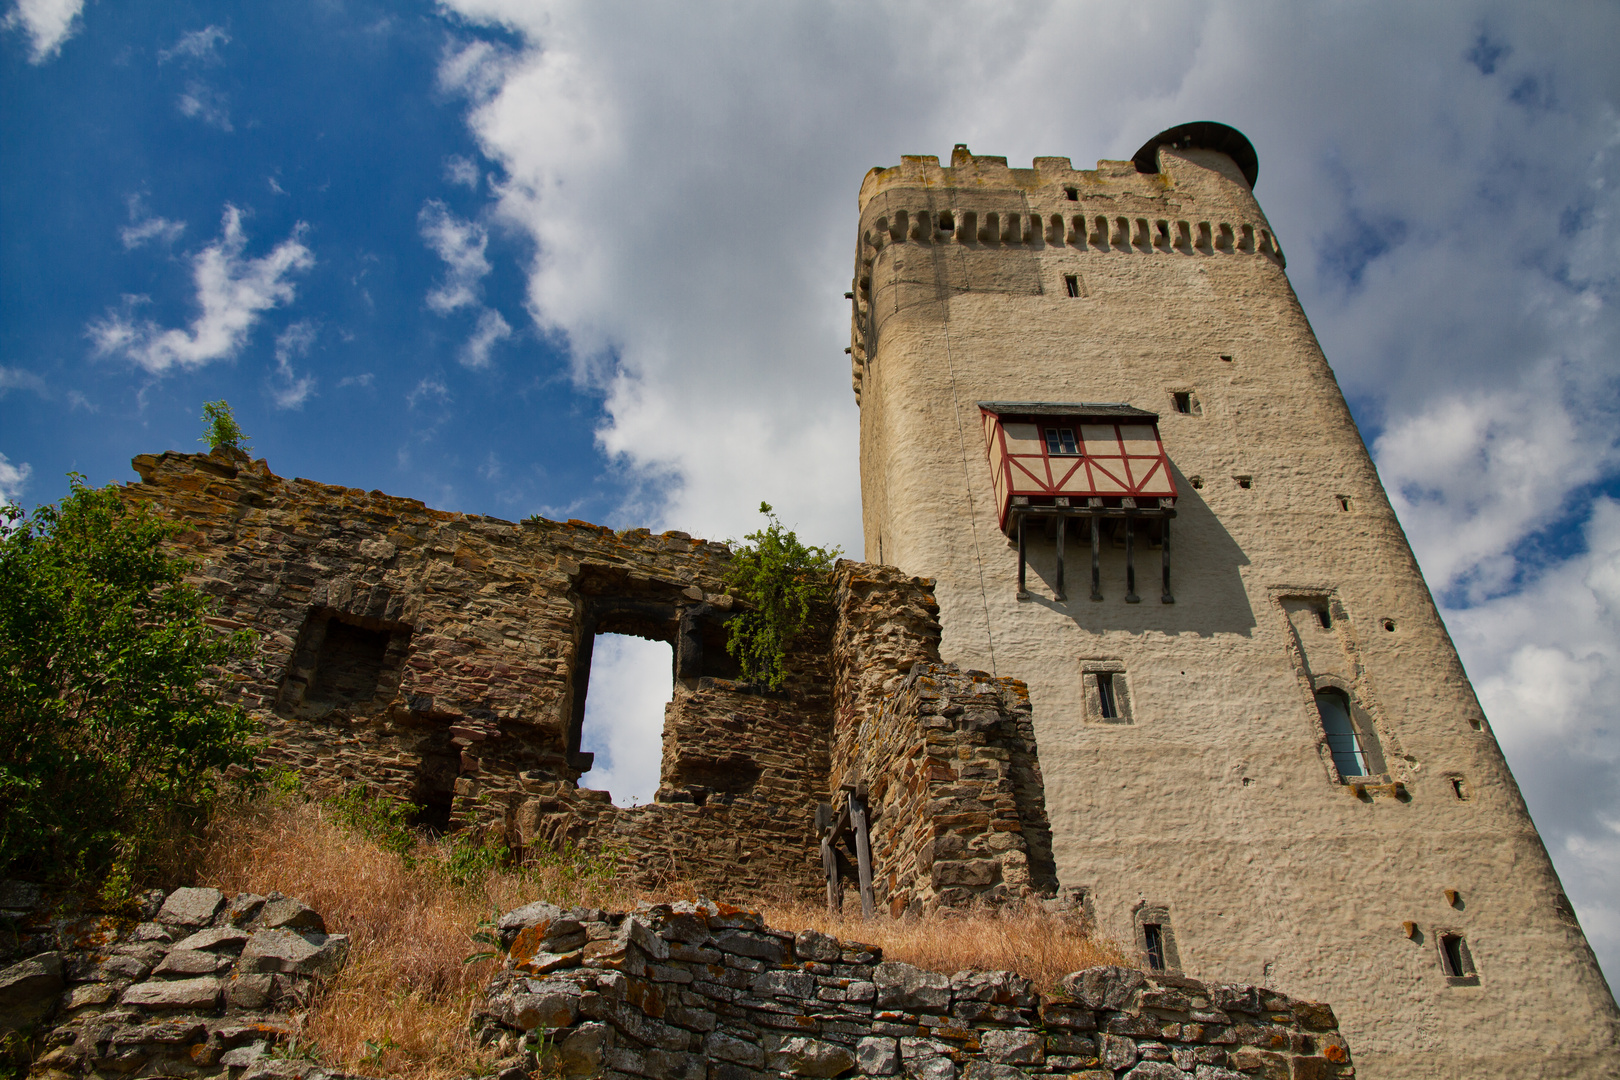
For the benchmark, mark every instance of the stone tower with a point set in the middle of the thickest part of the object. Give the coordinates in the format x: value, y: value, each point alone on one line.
x: 1093, y: 410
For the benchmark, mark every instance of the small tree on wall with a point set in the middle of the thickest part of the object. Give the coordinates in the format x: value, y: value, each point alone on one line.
x: 110, y: 736
x: 220, y: 429
x: 781, y: 579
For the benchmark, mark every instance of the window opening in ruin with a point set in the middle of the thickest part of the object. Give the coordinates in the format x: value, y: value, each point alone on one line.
x: 1349, y: 757
x: 1183, y: 401
x: 1153, y: 942
x: 631, y: 681
x: 1072, y: 194
x: 343, y: 663
x: 1389, y: 624
x: 1071, y: 284
x: 1197, y: 482
x: 1324, y: 618
x: 1227, y: 357
x: 1455, y: 959
x: 947, y: 222
x: 1107, y: 704
x: 1459, y: 788
x: 1060, y: 442
x: 1344, y: 502
x: 1244, y: 482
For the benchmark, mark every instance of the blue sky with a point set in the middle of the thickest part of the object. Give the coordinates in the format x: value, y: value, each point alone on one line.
x: 586, y: 258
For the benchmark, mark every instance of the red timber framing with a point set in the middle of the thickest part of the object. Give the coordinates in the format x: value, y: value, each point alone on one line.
x: 1056, y: 461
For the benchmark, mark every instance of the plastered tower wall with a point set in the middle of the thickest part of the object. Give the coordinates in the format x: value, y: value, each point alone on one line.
x: 1216, y: 810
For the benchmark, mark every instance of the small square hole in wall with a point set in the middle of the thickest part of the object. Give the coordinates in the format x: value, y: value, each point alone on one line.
x: 1197, y: 482
x: 1324, y: 618
x: 1071, y: 284
x: 1389, y: 624
x: 1344, y: 502
x: 1244, y: 482
x: 1072, y: 194
x: 1227, y: 357
x: 1182, y: 400
x: 1460, y: 788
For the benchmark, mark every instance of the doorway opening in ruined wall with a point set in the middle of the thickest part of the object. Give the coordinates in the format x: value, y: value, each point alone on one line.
x: 632, y: 679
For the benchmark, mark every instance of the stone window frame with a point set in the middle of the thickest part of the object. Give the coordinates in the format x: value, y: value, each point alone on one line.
x: 1374, y: 750
x: 1363, y: 699
x: 1090, y: 668
x: 1195, y: 405
x: 1468, y: 977
x: 1147, y: 914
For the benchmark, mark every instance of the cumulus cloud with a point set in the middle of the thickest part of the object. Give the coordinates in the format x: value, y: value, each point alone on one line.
x: 198, y: 45
x: 1547, y: 665
x: 48, y: 23
x: 233, y: 292
x: 288, y: 388
x: 689, y: 176
x: 144, y: 226
x: 13, y: 478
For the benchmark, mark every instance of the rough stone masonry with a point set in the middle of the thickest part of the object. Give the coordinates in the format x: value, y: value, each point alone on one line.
x: 444, y: 658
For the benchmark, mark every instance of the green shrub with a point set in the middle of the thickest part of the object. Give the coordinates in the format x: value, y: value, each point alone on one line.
x: 112, y: 740
x: 781, y: 580
x: 220, y: 429
x: 384, y: 821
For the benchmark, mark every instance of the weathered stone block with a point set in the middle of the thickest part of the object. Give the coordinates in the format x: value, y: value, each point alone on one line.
x: 1013, y: 1047
x: 876, y: 1056
x: 29, y: 989
x: 201, y: 994
x: 801, y: 1056
x: 901, y: 986
x: 191, y: 907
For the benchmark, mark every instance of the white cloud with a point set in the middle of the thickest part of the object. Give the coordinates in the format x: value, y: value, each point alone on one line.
x: 13, y: 478
x: 203, y: 102
x: 143, y: 226
x: 1547, y: 667
x: 201, y: 45
x: 365, y: 378
x: 460, y: 170
x: 19, y: 379
x: 430, y: 388
x: 233, y: 293
x: 48, y: 23
x: 631, y: 681
x: 491, y: 330
x: 689, y: 175
x: 289, y: 389
x: 461, y: 245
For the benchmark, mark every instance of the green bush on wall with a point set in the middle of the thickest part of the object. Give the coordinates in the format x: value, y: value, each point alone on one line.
x: 781, y: 579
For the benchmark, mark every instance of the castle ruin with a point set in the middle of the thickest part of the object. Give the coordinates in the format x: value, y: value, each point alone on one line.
x: 1138, y: 632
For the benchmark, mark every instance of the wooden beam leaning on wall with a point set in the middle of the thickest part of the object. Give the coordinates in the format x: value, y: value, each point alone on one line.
x: 851, y: 827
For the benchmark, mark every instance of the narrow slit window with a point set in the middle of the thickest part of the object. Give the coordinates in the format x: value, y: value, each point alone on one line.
x: 1454, y: 957
x: 1325, y: 618
x: 1071, y: 284
x: 1349, y: 757
x: 1060, y: 442
x: 1183, y: 401
x: 1107, y: 702
x: 1459, y: 788
x: 1344, y: 503
x: 1153, y: 945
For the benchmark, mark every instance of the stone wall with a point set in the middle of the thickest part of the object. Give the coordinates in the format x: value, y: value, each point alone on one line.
x: 708, y: 992
x: 948, y: 758
x: 198, y: 984
x: 444, y: 658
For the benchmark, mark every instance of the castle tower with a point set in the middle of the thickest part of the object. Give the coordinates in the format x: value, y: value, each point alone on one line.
x: 1093, y: 410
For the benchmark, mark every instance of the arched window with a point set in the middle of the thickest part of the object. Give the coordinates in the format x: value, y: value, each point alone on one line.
x: 1355, y: 750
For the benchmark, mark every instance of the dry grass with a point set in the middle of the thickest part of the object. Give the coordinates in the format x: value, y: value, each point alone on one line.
x: 400, y: 1007
x: 1027, y: 939
x: 402, y: 1003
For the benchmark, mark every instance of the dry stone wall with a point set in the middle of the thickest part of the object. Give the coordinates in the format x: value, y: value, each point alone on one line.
x: 196, y: 984
x: 701, y: 991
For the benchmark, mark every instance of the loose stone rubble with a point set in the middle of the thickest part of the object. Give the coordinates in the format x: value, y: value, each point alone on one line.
x: 705, y: 991
x: 195, y: 984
